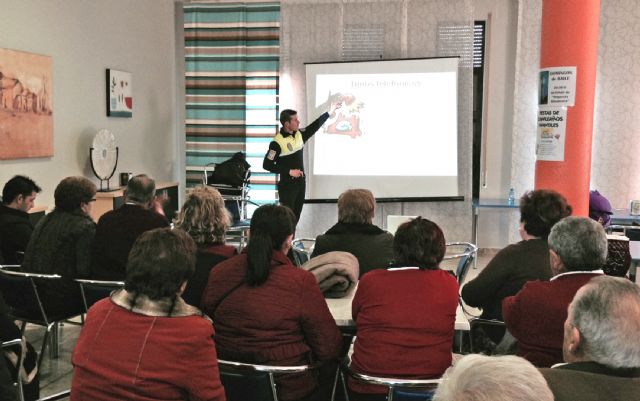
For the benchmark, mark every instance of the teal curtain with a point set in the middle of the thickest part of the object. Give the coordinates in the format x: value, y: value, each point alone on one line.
x: 231, y: 74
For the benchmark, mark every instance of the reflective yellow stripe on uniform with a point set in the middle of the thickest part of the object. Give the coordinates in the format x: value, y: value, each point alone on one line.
x: 289, y: 145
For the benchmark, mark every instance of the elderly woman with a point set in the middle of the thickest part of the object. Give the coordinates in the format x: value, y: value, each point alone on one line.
x: 204, y: 217
x: 405, y: 315
x: 355, y: 233
x: 516, y: 264
x: 268, y: 311
x: 145, y: 342
x: 61, y: 244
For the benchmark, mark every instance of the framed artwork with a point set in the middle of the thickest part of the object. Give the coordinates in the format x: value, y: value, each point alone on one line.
x: 119, y: 94
x: 26, y: 105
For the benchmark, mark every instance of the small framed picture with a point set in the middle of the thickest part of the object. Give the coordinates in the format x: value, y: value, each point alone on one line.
x: 119, y: 94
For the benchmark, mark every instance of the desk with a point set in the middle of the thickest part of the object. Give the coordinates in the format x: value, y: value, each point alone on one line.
x: 477, y: 204
x: 621, y: 217
x: 341, y: 310
x: 106, y: 201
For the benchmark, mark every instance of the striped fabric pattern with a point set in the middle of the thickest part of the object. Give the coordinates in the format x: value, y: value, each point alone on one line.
x: 231, y: 73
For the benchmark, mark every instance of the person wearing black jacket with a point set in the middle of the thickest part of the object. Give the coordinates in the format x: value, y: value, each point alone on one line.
x: 286, y: 156
x: 18, y: 196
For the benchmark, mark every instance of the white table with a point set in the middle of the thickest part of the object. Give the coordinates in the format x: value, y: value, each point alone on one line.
x: 341, y: 310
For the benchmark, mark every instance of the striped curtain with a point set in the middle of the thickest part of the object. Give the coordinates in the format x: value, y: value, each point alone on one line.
x: 231, y: 74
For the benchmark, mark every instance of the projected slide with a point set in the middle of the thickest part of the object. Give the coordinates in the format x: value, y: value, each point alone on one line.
x: 389, y: 124
x: 395, y: 134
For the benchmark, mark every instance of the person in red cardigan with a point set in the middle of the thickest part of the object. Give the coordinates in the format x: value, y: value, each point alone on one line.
x: 405, y: 315
x: 204, y: 217
x: 145, y: 342
x: 268, y: 311
x: 535, y: 316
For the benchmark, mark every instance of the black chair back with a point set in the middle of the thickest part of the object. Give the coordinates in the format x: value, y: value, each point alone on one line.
x: 243, y: 385
x: 20, y: 294
x: 94, y: 290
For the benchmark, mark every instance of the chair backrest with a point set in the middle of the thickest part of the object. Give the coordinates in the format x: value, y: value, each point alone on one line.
x: 94, y: 290
x: 302, y: 248
x: 21, y: 294
x: 467, y: 257
x: 246, y: 381
x: 20, y: 343
x: 399, y: 389
x: 394, y: 221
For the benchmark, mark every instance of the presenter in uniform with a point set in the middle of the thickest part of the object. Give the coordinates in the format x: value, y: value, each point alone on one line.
x: 285, y: 156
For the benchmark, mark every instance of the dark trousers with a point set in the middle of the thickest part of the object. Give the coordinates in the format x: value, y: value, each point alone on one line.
x: 291, y: 194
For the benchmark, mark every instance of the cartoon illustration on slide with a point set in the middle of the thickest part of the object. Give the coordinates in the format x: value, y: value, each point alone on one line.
x: 347, y: 119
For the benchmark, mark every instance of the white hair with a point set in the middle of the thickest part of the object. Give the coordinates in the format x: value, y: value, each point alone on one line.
x: 502, y: 378
x: 581, y: 243
x: 606, y: 312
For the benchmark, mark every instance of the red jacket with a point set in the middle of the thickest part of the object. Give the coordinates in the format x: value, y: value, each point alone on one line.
x: 284, y: 321
x: 122, y: 355
x: 406, y: 321
x: 535, y: 316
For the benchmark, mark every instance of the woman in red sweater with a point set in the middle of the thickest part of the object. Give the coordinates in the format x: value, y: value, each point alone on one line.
x: 144, y: 342
x: 267, y: 311
x: 405, y: 315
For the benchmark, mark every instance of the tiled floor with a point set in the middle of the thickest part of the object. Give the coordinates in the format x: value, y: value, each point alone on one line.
x: 55, y: 374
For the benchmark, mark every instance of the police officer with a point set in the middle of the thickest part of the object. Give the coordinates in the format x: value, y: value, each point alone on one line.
x: 285, y: 156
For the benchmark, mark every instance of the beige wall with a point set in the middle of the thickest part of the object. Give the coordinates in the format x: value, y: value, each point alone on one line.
x: 84, y: 37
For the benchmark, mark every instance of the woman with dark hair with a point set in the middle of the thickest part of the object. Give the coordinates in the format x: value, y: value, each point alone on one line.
x: 516, y: 264
x: 267, y: 311
x: 405, y: 315
x: 145, y: 342
x: 204, y: 217
x: 61, y: 244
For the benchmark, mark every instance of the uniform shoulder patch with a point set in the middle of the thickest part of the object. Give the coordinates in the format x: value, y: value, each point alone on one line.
x: 271, y: 155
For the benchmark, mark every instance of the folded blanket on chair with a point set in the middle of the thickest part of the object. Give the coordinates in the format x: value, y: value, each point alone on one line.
x: 336, y: 272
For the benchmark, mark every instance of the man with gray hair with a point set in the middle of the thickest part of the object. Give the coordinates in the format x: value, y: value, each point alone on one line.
x: 498, y: 378
x: 118, y: 229
x: 535, y: 315
x: 601, y: 348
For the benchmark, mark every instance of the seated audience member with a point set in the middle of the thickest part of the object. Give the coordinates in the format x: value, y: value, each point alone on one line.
x: 267, y: 311
x: 145, y: 342
x: 18, y: 196
x: 355, y: 233
x: 534, y: 316
x: 204, y: 217
x: 118, y: 229
x: 498, y: 378
x: 600, y: 344
x: 406, y: 315
x: 518, y: 263
x: 61, y: 244
x: 618, y: 254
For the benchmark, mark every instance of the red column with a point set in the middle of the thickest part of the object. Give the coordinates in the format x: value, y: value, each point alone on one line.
x: 570, y: 38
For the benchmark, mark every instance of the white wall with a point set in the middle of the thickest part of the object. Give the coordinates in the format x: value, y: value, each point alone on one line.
x: 84, y: 38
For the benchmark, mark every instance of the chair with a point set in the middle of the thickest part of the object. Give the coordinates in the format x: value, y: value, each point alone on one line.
x: 302, y: 248
x: 246, y: 381
x: 479, y: 322
x: 467, y: 258
x: 399, y: 389
x: 27, y: 304
x: 94, y: 290
x: 17, y: 382
x: 57, y: 396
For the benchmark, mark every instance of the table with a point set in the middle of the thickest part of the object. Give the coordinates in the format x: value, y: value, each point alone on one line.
x: 477, y: 204
x: 621, y: 217
x: 341, y: 310
x: 36, y: 213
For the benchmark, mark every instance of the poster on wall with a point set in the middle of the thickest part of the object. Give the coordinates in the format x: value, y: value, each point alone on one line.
x: 26, y: 105
x: 552, y: 124
x: 557, y: 86
x: 119, y: 94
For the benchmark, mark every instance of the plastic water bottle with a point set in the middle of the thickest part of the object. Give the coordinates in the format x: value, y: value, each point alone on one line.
x: 512, y: 196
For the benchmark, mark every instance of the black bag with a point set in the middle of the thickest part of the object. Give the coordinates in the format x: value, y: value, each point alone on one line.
x: 231, y: 172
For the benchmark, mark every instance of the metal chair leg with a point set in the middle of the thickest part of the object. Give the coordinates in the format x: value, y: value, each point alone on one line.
x: 53, y: 351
